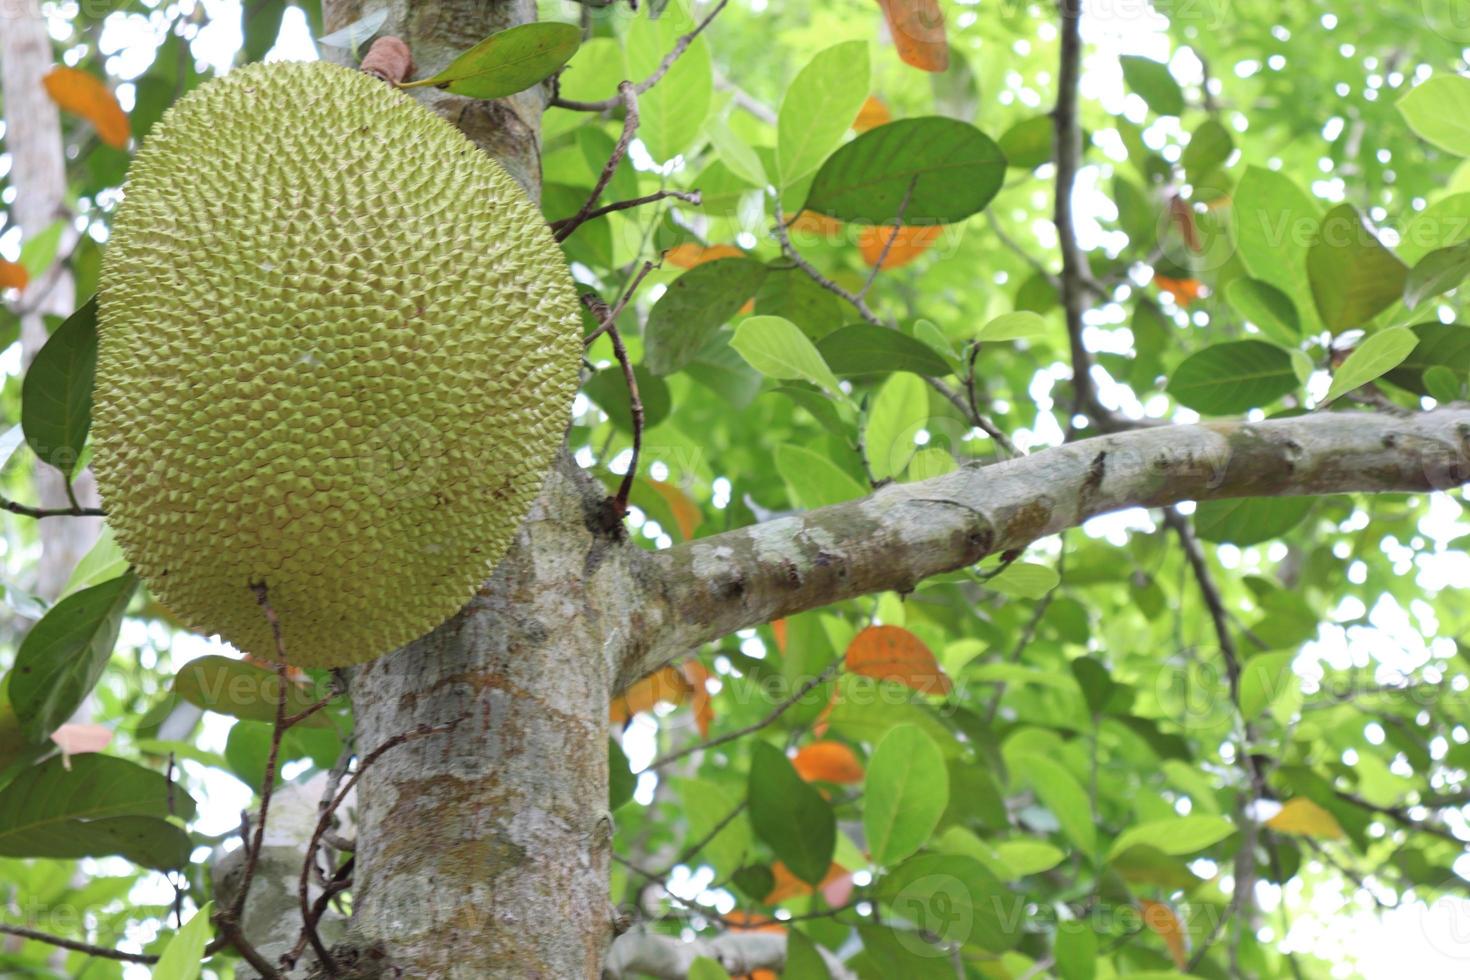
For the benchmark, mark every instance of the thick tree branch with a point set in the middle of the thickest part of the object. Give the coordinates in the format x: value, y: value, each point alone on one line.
x: 906, y: 533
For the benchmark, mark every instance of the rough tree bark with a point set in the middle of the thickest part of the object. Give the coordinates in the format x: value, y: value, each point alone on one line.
x: 484, y: 853
x: 38, y: 174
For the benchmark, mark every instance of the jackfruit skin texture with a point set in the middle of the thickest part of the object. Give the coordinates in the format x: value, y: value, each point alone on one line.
x: 337, y: 352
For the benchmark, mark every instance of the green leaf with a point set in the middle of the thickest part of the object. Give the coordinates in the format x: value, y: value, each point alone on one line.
x: 183, y: 957
x: 1439, y: 111
x: 260, y: 23
x: 895, y: 416
x: 864, y: 349
x: 1020, y: 325
x: 1229, y: 378
x: 743, y: 161
x: 56, y: 396
x: 705, y: 805
x: 1152, y: 80
x: 904, y: 794
x: 952, y: 896
x: 608, y: 389
x: 1075, y: 949
x: 1025, y: 579
x: 1353, y: 277
x: 508, y: 61
x: 1209, y: 147
x: 704, y: 968
x: 1378, y: 354
x: 64, y: 654
x: 803, y: 962
x: 1267, y: 307
x: 100, y: 806
x: 1264, y: 677
x: 790, y: 815
x: 693, y: 308
x: 104, y: 562
x: 819, y: 107
x: 1029, y: 857
x: 1274, y: 221
x: 789, y: 292
x: 242, y: 690
x: 1443, y: 384
x: 1438, y: 272
x: 1064, y: 796
x: 777, y: 348
x: 620, y: 779
x: 1175, y: 835
x: 1249, y: 520
x: 813, y: 479
x: 672, y: 113
x: 1446, y: 344
x: 1029, y: 143
x: 954, y: 170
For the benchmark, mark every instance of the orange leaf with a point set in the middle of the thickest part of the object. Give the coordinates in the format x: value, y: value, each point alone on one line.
x: 816, y: 224
x: 1301, y: 816
x: 697, y: 677
x: 917, y: 27
x: 891, y: 653
x: 830, y: 762
x: 13, y: 275
x: 686, y: 515
x: 789, y: 886
x: 1162, y: 920
x: 778, y: 629
x: 738, y: 921
x: 873, y: 113
x: 1185, y: 291
x: 666, y: 684
x: 908, y: 244
x: 89, y: 97
x: 690, y: 254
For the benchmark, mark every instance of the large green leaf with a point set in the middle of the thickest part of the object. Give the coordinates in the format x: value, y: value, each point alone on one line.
x: 803, y: 962
x: 693, y: 308
x: 64, y: 654
x: 672, y: 113
x: 706, y: 804
x: 1249, y: 520
x: 1152, y: 80
x: 954, y: 897
x: 243, y: 690
x: 813, y: 479
x: 1374, y: 357
x: 608, y: 388
x: 777, y: 348
x: 1267, y: 307
x: 897, y: 413
x: 1439, y: 111
x: 1353, y: 277
x: 508, y: 61
x: 183, y: 957
x: 1229, y: 378
x: 1175, y: 835
x: 789, y: 292
x: 100, y: 805
x: 953, y: 169
x: 862, y: 349
x: 1064, y: 796
x: 904, y: 794
x: 1440, y: 344
x: 1438, y: 272
x: 794, y: 820
x: 1274, y: 222
x: 1209, y: 147
x: 818, y: 108
x: 56, y: 396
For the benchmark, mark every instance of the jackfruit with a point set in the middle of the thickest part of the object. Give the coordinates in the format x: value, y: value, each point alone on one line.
x: 337, y: 352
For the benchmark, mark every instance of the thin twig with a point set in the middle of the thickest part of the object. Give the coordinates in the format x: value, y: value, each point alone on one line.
x: 39, y: 512
x: 635, y: 407
x: 690, y: 852
x: 61, y: 942
x: 606, y: 320
x: 832, y: 670
x: 303, y: 887
x: 566, y: 226
x: 680, y: 46
x: 980, y: 419
x: 689, y: 197
x: 789, y: 250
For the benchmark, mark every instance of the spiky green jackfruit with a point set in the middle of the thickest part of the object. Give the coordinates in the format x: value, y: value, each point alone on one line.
x: 338, y: 349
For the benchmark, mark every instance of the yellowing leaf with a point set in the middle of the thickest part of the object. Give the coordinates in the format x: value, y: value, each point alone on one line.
x: 667, y: 684
x: 686, y: 514
x: 13, y: 275
x: 778, y: 630
x: 917, y: 27
x: 1301, y: 816
x: 908, y: 244
x: 697, y: 676
x: 811, y: 223
x: 89, y: 97
x: 690, y: 254
x: 828, y: 762
x: 1162, y: 920
x: 873, y: 113
x: 891, y: 653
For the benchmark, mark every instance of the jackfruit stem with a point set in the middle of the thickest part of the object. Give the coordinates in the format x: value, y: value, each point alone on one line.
x: 390, y: 60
